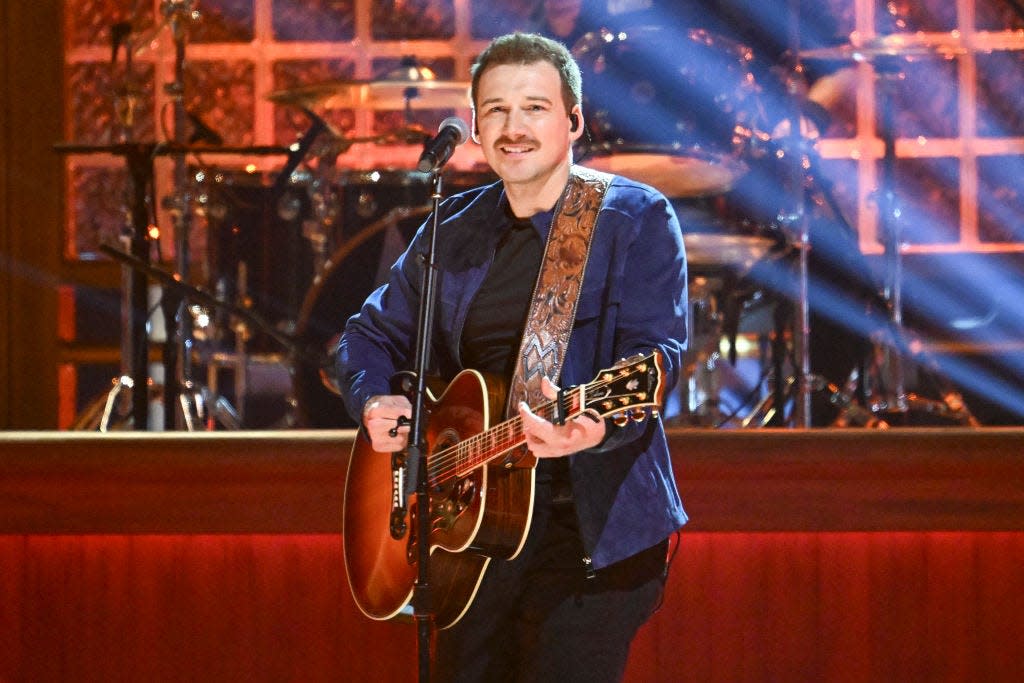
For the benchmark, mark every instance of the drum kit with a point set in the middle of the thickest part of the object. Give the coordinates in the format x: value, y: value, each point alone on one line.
x: 682, y: 110
x: 292, y: 256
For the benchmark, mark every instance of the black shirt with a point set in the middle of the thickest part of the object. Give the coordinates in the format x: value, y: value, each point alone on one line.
x: 494, y: 324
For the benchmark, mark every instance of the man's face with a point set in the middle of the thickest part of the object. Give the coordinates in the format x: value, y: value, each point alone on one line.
x: 522, y: 123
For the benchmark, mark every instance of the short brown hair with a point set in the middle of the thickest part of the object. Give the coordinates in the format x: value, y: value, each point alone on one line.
x: 530, y: 48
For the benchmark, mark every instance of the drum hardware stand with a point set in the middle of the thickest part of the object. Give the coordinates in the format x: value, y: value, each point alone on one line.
x: 805, y: 176
x: 895, y: 348
x: 135, y: 240
x: 889, y: 342
x: 703, y: 321
x: 137, y: 243
x: 318, y: 229
x: 771, y: 410
x: 891, y: 234
x: 183, y: 396
x: 176, y: 291
x: 799, y: 225
x: 795, y: 222
x: 800, y: 220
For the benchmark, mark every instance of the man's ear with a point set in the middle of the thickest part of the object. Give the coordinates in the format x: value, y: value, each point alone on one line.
x: 576, y: 122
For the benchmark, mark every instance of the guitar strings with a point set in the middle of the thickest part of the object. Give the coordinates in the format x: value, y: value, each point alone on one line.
x: 504, y: 437
x: 446, y: 463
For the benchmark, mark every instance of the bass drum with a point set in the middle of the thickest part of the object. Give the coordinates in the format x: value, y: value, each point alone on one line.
x: 356, y: 268
x: 671, y: 108
x: 382, y: 211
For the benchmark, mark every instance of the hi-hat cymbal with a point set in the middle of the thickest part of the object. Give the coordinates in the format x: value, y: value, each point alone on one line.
x: 382, y: 94
x: 884, y: 47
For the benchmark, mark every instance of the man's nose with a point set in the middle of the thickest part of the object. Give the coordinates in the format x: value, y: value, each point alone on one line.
x: 514, y: 122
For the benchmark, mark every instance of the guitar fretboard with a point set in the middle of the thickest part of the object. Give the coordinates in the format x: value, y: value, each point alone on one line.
x: 459, y: 459
x: 630, y: 386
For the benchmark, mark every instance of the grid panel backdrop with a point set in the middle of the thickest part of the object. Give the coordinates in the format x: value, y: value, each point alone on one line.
x: 958, y: 119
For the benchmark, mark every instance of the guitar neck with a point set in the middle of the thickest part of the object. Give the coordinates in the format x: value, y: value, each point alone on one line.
x: 622, y: 392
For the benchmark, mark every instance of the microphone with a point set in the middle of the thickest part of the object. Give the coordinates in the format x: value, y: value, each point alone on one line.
x: 452, y: 132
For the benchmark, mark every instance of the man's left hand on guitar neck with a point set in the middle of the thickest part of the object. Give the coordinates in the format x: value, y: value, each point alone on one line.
x: 548, y: 440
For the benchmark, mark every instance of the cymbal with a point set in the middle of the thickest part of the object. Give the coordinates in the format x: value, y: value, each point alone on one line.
x: 382, y: 94
x: 406, y: 135
x: 884, y: 47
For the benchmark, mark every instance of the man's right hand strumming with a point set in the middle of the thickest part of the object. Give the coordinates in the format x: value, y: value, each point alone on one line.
x: 381, y: 421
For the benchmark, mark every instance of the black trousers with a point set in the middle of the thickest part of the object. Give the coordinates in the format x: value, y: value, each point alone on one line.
x: 543, y: 617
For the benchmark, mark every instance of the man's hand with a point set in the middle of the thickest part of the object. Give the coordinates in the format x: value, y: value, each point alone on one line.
x: 548, y: 440
x: 380, y: 419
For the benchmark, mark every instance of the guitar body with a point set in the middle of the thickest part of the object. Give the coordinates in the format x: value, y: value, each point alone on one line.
x: 484, y: 514
x: 481, y: 488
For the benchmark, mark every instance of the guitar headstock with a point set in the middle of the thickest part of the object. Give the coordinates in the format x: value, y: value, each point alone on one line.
x: 626, y: 389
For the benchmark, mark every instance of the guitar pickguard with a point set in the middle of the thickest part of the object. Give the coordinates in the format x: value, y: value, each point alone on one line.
x: 448, y: 502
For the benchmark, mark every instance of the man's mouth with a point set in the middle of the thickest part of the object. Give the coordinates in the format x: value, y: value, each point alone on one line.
x: 515, y: 147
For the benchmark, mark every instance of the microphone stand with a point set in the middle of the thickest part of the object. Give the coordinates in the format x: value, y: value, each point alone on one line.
x: 416, y: 453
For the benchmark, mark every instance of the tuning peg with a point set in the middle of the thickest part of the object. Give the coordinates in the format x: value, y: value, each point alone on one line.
x: 620, y: 419
x: 638, y: 414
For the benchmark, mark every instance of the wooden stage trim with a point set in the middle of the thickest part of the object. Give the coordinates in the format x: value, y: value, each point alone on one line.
x: 917, y: 479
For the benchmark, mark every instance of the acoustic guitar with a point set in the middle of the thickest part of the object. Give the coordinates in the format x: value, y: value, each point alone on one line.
x: 481, y: 488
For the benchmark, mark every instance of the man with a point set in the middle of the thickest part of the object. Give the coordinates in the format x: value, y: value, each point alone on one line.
x: 593, y: 564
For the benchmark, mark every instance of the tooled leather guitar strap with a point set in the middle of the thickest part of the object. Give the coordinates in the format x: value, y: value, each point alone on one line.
x: 553, y: 307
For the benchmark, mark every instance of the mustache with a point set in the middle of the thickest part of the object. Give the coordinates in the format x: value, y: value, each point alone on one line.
x: 504, y: 140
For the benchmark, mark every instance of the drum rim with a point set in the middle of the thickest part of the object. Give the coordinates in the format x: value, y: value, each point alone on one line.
x: 387, y: 177
x: 344, y: 250
x: 381, y: 176
x: 676, y: 149
x: 607, y: 36
x: 312, y: 385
